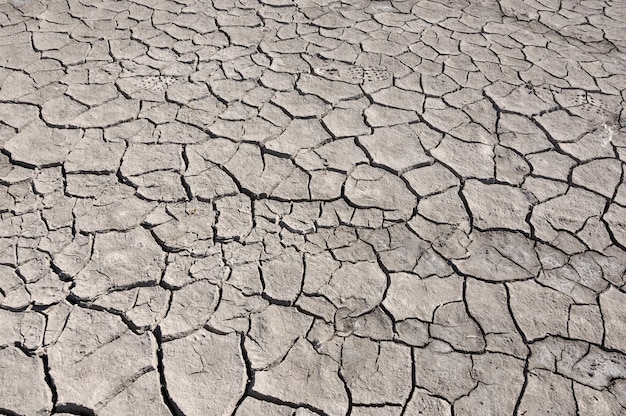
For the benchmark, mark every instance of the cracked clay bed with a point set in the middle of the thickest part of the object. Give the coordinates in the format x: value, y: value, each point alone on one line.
x: 312, y: 207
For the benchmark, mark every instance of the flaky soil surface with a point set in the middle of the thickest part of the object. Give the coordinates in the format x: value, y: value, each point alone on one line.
x: 312, y: 207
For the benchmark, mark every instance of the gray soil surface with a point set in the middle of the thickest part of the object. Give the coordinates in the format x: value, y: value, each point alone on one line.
x: 312, y: 207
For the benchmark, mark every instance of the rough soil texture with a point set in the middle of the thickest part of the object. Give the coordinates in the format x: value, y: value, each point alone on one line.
x: 312, y: 207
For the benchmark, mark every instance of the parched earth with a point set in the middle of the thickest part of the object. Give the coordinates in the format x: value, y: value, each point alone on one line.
x: 312, y: 207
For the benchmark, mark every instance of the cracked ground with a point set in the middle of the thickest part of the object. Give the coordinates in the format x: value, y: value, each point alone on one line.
x: 312, y: 207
